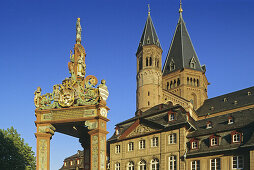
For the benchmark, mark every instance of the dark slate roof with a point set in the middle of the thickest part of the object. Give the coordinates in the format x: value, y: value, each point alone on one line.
x: 149, y: 36
x: 228, y: 101
x: 181, y: 50
x: 243, y: 122
x: 155, y: 117
x: 80, y: 155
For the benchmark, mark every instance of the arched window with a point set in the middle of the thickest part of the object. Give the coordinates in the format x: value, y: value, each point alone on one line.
x: 142, y: 165
x: 188, y: 80
x: 174, y: 83
x: 197, y: 82
x: 178, y: 82
x: 130, y: 166
x: 146, y: 61
x: 194, y: 82
x: 167, y: 85
x: 155, y: 164
x: 150, y: 61
x: 171, y: 84
x: 117, y: 166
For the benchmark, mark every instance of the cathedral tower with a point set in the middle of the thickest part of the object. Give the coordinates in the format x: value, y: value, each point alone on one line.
x: 149, y: 75
x: 182, y: 73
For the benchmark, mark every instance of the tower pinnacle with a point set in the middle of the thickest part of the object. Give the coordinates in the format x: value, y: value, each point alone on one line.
x: 78, y: 31
x: 180, y: 9
x: 149, y: 9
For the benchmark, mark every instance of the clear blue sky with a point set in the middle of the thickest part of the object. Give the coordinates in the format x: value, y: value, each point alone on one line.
x: 36, y: 37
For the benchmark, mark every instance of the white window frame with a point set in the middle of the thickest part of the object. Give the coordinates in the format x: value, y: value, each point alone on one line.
x: 194, y: 145
x: 217, y: 164
x: 209, y: 125
x: 214, y: 141
x: 78, y: 161
x: 130, y: 146
x: 171, y: 117
x: 155, y: 164
x: 155, y: 142
x: 236, y: 138
x: 142, y: 165
x: 117, y: 166
x: 195, y: 165
x: 130, y: 165
x: 142, y: 144
x: 237, y: 161
x: 172, y: 162
x: 117, y: 149
x: 172, y: 138
x: 230, y: 121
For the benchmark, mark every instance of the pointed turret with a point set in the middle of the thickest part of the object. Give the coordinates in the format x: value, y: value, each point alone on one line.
x: 181, y: 54
x: 149, y: 75
x: 182, y: 73
x: 149, y: 36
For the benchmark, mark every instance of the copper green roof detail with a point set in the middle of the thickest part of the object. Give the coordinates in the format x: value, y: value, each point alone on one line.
x: 149, y: 36
x: 181, y: 53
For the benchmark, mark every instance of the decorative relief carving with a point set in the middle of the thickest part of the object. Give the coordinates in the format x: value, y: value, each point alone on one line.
x: 95, y: 149
x: 102, y: 153
x: 70, y: 114
x: 42, y: 154
x: 47, y: 129
x: 91, y: 125
x: 141, y: 129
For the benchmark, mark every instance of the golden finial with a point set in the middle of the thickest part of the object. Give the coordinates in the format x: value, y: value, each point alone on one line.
x: 149, y: 9
x: 180, y: 9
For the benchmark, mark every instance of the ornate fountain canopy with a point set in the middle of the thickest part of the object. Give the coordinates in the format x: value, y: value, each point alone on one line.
x: 78, y: 89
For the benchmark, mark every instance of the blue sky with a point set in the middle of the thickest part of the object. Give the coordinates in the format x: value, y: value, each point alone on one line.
x: 36, y: 37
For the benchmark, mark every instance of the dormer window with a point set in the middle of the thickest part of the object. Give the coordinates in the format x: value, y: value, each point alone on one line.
x: 194, y: 143
x: 230, y: 120
x: 236, y: 137
x: 171, y: 116
x: 117, y: 130
x: 172, y: 65
x: 249, y: 93
x: 208, y: 125
x: 193, y: 63
x: 214, y: 140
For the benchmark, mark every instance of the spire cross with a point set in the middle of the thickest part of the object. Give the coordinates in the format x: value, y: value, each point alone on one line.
x: 149, y: 9
x: 180, y: 9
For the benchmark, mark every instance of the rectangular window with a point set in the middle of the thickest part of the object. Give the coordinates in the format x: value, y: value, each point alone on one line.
x: 195, y: 165
x: 171, y: 117
x: 117, y: 166
x: 172, y: 138
x: 215, y: 164
x: 78, y: 161
x: 155, y: 142
x: 172, y: 163
x: 130, y: 146
x: 236, y: 138
x: 142, y: 144
x: 214, y: 141
x: 194, y: 145
x: 117, y: 149
x: 237, y: 162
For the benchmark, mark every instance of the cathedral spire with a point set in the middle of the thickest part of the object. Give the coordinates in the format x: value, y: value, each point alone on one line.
x: 181, y: 53
x: 149, y: 36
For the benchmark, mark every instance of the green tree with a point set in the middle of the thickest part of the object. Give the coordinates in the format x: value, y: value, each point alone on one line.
x: 15, y: 154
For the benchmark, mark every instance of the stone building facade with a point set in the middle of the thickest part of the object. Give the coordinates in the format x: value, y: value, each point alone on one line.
x: 176, y: 126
